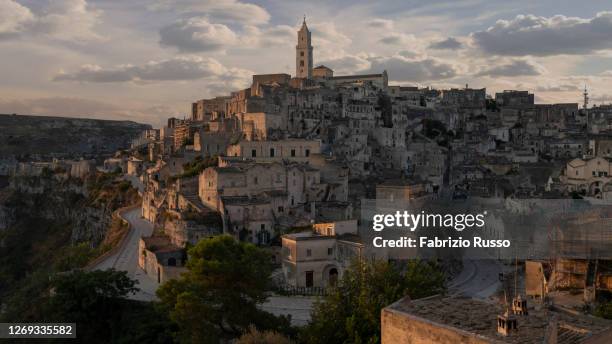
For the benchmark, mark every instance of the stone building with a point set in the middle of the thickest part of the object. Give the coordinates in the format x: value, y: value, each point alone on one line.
x: 592, y: 176
x: 318, y: 258
x: 303, y: 53
x: 209, y: 109
x: 289, y: 149
x: 450, y: 320
x: 160, y: 259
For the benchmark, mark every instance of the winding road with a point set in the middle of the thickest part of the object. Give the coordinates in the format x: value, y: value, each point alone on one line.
x: 479, y: 279
x: 126, y: 258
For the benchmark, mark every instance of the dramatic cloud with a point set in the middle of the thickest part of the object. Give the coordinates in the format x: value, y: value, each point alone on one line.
x: 541, y: 36
x: 180, y: 68
x: 227, y: 11
x: 401, y: 68
x: 449, y: 43
x: 514, y: 68
x: 68, y: 20
x: 196, y: 35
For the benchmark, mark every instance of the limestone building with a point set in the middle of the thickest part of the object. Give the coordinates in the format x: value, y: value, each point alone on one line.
x: 303, y: 53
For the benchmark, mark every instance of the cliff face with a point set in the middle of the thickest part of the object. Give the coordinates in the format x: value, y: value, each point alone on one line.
x: 85, y: 207
x: 64, y: 137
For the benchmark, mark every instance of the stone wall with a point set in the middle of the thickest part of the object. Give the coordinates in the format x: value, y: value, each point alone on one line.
x: 399, y: 327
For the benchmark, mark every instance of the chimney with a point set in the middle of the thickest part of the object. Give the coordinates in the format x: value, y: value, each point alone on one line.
x: 519, y: 306
x: 506, y: 324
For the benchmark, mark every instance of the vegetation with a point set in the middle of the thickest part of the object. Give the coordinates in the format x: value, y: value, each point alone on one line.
x: 253, y: 336
x: 217, y: 298
x: 39, y: 240
x: 437, y: 130
x: 604, y: 310
x: 350, y: 313
x: 195, y: 167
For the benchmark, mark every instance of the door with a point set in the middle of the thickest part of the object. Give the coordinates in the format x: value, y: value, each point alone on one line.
x: 309, y: 279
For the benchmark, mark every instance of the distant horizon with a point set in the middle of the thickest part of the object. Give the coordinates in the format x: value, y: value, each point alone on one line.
x: 147, y: 60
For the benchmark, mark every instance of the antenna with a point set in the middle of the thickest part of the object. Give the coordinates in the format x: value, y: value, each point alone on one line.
x: 585, y: 94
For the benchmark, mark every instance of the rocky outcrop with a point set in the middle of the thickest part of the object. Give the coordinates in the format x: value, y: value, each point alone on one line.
x: 85, y: 206
x: 64, y: 137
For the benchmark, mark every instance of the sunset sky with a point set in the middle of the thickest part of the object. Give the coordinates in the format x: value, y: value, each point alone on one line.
x: 148, y: 60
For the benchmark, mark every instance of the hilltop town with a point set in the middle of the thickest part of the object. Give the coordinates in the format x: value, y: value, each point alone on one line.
x: 285, y: 164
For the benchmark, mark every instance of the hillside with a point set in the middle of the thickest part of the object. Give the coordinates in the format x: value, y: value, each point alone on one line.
x: 64, y: 137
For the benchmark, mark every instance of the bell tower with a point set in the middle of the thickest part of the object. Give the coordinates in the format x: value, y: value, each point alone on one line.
x: 303, y: 53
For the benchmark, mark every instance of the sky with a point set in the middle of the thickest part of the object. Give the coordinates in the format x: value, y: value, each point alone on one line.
x: 147, y: 60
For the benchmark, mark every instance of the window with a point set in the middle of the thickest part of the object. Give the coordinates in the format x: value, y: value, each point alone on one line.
x: 253, y: 153
x: 255, y: 180
x: 308, y: 252
x: 272, y: 152
x: 330, y: 251
x: 307, y: 152
x: 263, y: 226
x: 281, y: 209
x: 293, y: 152
x: 301, y: 53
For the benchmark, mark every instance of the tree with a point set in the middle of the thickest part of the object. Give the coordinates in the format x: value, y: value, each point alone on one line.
x: 351, y: 312
x: 217, y: 297
x: 91, y: 299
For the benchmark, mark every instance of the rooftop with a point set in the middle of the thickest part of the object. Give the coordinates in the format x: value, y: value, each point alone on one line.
x: 479, y: 318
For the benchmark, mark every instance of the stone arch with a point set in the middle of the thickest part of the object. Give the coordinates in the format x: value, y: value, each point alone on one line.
x: 171, y: 261
x: 595, y: 188
x: 331, y: 275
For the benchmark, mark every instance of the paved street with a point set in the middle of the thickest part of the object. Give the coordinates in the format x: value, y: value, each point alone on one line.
x: 298, y: 307
x: 479, y: 279
x: 127, y: 257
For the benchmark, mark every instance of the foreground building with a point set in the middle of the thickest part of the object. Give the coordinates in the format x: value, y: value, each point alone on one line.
x: 450, y: 320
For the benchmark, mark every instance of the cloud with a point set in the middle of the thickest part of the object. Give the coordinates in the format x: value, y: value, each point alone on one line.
x: 254, y: 37
x: 450, y: 43
x: 398, y: 39
x: 542, y: 36
x: 196, y: 35
x: 379, y: 23
x: 67, y: 20
x: 179, y: 68
x: 327, y: 34
x: 402, y: 68
x: 225, y: 11
x: 414, y: 67
x: 514, y: 68
x: 347, y: 64
x: 13, y: 17
x: 557, y: 88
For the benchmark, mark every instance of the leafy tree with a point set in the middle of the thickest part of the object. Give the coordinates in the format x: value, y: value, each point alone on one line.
x: 217, y: 297
x: 351, y: 312
x: 91, y: 299
x: 96, y: 302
